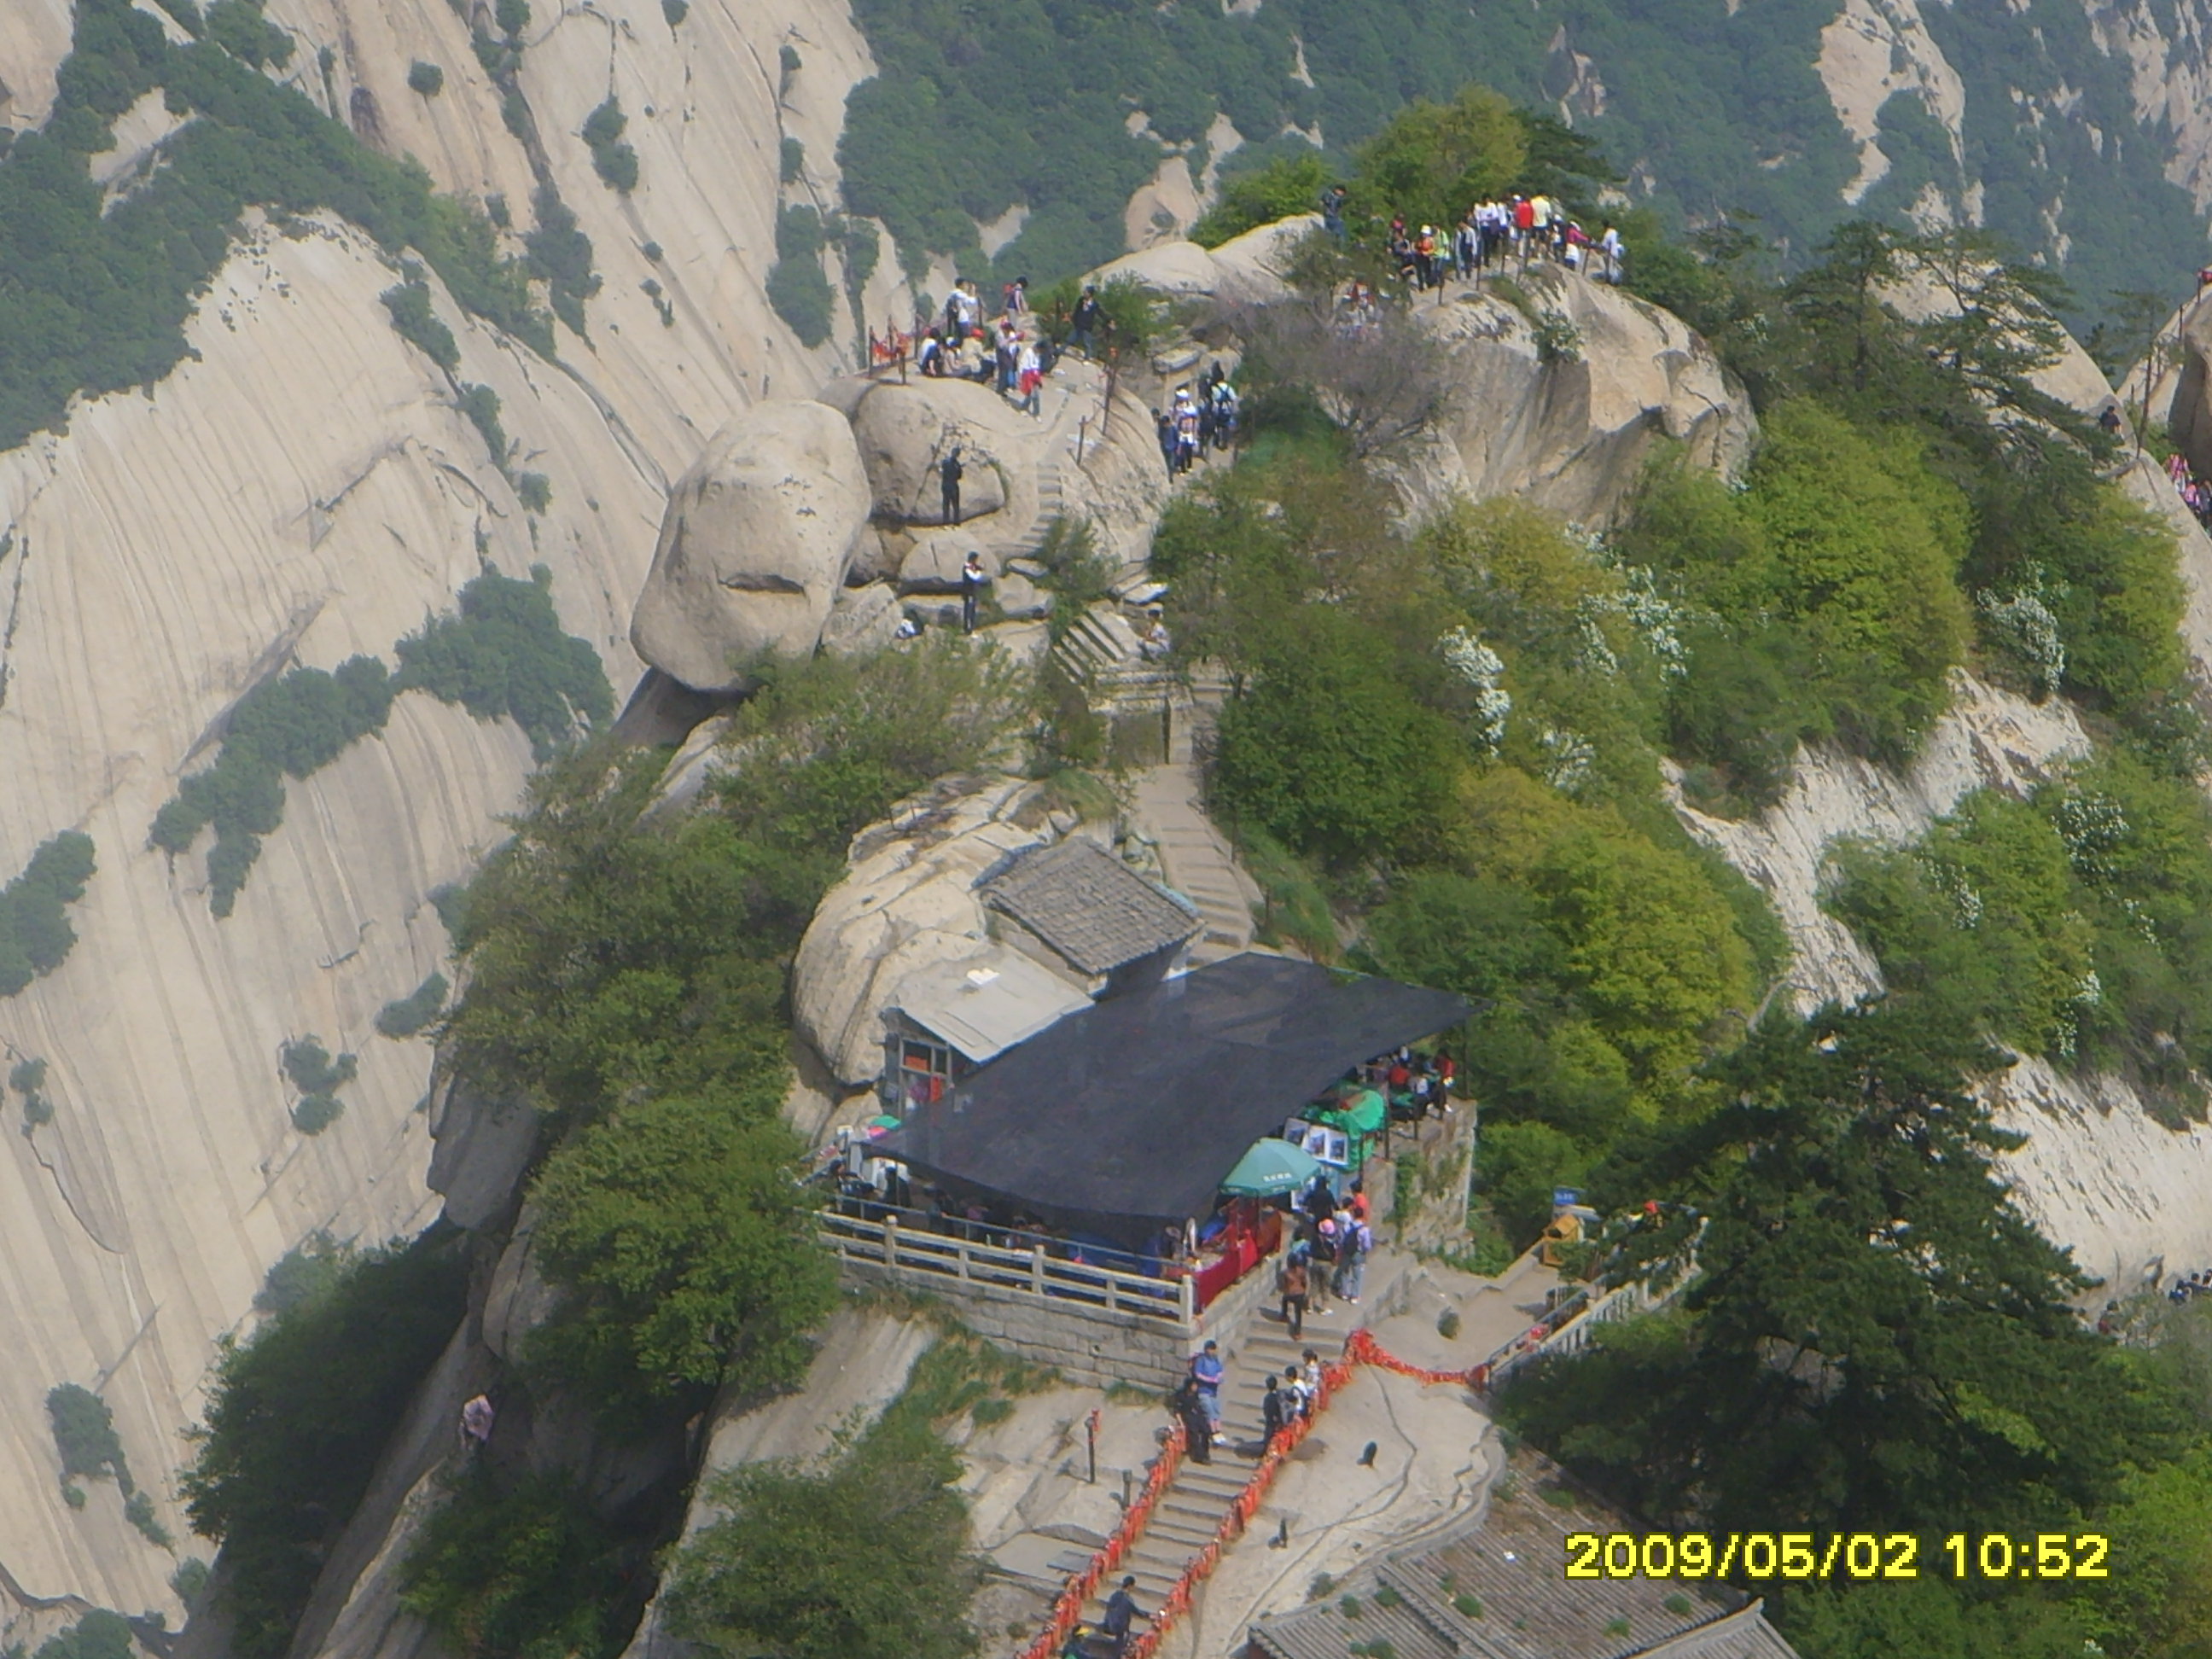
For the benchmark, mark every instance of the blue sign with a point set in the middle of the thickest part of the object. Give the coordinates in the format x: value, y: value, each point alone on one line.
x: 1563, y: 1196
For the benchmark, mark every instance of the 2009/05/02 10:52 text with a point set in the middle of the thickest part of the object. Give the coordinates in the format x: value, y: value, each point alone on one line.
x: 1803, y: 1555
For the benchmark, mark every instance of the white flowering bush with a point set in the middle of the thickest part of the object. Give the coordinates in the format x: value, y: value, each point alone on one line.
x: 1568, y: 758
x: 1484, y: 670
x: 2023, y: 623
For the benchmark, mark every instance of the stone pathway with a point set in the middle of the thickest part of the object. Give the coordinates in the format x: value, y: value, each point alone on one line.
x: 1194, y: 856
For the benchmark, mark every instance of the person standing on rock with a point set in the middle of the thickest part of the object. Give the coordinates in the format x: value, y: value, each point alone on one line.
x: 971, y: 590
x: 1082, y: 321
x: 949, y: 472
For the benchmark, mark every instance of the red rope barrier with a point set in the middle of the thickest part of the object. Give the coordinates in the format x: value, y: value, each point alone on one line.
x: 1360, y: 1348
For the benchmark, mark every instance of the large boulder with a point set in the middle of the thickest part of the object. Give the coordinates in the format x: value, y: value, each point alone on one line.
x: 754, y: 545
x: 905, y: 431
x: 907, y: 902
x: 1572, y: 432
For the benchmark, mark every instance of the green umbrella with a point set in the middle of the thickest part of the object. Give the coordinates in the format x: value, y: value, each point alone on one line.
x: 1272, y: 1166
x: 886, y: 1121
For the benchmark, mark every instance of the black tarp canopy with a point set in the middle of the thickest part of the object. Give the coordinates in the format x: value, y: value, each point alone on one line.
x: 1124, y: 1117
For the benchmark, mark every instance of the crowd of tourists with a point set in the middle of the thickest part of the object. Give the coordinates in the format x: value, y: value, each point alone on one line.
x: 1197, y: 418
x: 2196, y: 493
x: 1513, y: 230
x: 1288, y: 1396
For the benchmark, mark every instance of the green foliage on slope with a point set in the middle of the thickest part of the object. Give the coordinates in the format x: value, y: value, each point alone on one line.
x: 2070, y: 926
x: 500, y: 653
x: 297, y: 1417
x: 979, y: 106
x: 84, y: 1434
x: 35, y: 935
x: 95, y: 300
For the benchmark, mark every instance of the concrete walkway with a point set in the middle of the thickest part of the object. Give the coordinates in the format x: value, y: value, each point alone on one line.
x: 1195, y: 856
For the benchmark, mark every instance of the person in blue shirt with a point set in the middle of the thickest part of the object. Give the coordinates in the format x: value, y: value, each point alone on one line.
x: 1207, y: 1372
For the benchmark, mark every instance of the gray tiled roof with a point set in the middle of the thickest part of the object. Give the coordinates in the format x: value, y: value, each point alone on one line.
x: 1513, y: 1565
x: 1088, y: 905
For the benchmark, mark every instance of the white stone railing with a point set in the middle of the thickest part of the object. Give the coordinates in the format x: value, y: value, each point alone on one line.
x: 889, y: 1247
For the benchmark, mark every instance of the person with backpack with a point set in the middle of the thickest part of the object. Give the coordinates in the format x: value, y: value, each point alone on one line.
x: 1354, y: 1243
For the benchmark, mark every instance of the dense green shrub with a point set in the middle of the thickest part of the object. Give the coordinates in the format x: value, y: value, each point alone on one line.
x: 138, y: 1510
x: 2071, y: 926
x: 95, y: 300
x: 675, y: 11
x: 501, y: 652
x: 535, y: 492
x: 190, y: 1582
x: 239, y: 27
x: 84, y: 1434
x: 512, y: 17
x: 562, y: 254
x: 298, y: 1415
x: 426, y: 79
x: 317, y: 1078
x: 35, y: 935
x: 863, y: 1556
x: 410, y: 305
x: 404, y: 1016
x: 685, y: 1247
x: 480, y: 404
x: 292, y: 725
x: 520, y: 1572
x: 796, y: 285
x: 100, y: 1634
x: 605, y: 964
x: 1287, y: 185
x: 306, y: 1272
x: 614, y: 161
x: 793, y: 160
x: 1329, y: 752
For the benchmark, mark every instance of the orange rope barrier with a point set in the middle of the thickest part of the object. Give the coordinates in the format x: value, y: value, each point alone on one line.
x: 1360, y: 1348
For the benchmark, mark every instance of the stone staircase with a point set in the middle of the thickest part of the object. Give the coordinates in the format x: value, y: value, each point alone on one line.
x: 1195, y: 856
x: 1191, y: 1510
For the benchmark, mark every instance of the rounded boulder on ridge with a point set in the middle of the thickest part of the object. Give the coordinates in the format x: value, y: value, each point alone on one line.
x: 905, y: 431
x: 754, y: 545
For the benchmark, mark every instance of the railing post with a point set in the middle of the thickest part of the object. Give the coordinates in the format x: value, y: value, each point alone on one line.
x: 1113, y: 1303
x: 891, y: 1241
x: 964, y: 1259
x: 1186, y: 1300
x: 1036, y: 1268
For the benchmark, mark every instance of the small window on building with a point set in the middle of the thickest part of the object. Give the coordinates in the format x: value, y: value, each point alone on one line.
x: 925, y: 1073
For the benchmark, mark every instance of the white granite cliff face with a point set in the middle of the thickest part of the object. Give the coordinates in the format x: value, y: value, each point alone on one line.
x: 302, y: 489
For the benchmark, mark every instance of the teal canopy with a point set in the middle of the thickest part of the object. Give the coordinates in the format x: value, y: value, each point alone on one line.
x: 1362, y: 1114
x: 1271, y: 1166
